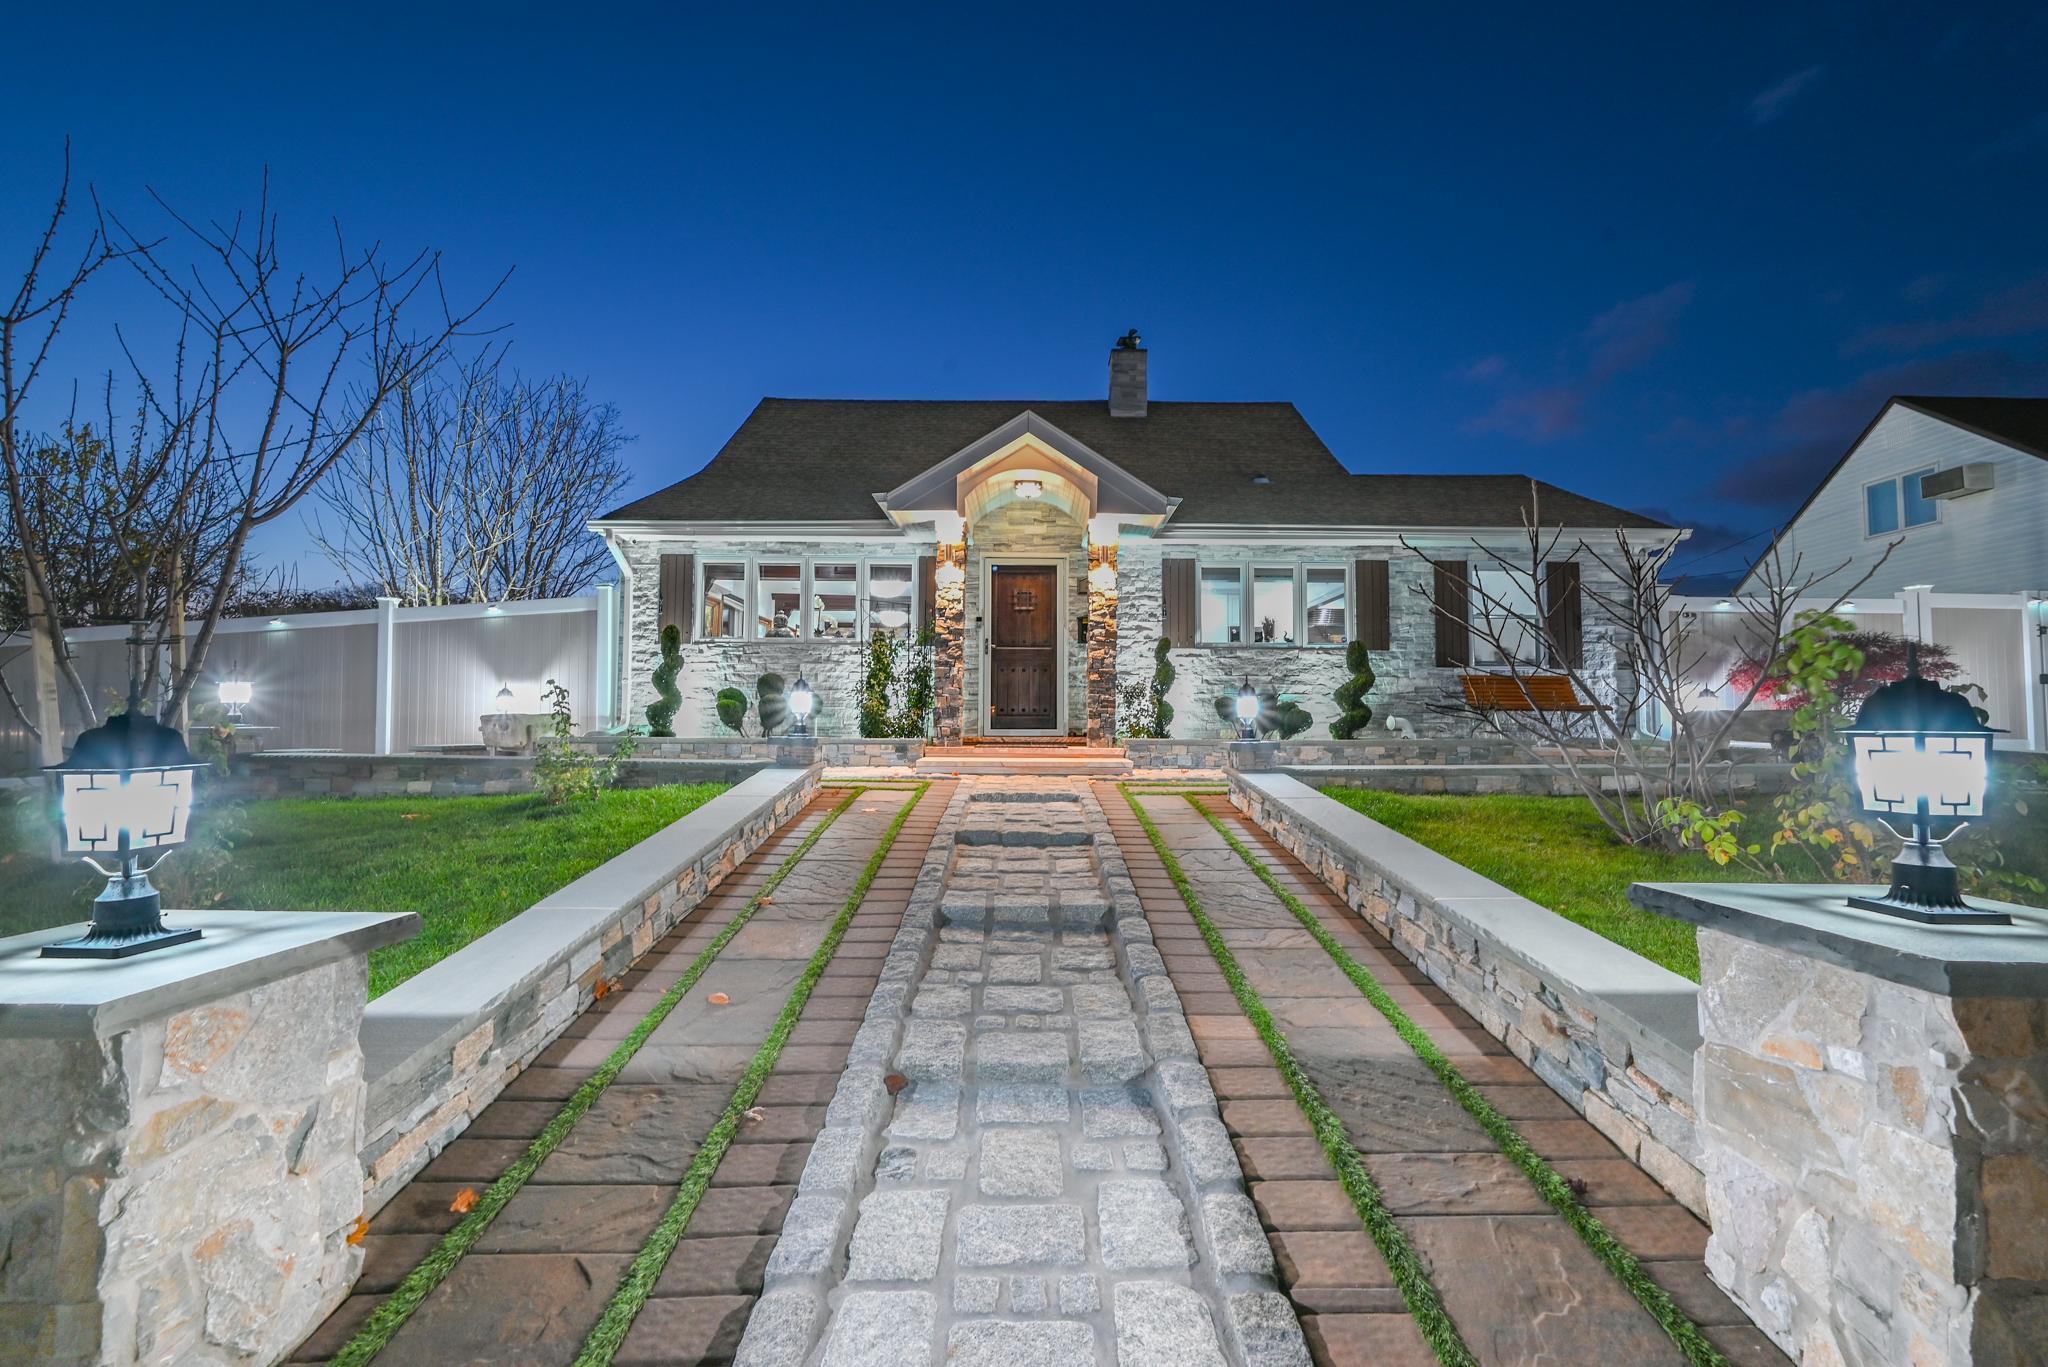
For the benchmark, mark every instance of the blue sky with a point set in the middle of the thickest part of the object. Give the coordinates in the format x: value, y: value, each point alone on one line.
x: 1672, y: 259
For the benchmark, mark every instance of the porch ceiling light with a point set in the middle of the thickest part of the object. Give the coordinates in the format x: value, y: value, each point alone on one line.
x: 1922, y: 754
x: 1030, y: 488
x: 125, y: 790
x: 801, y: 701
x: 1247, y: 711
x: 235, y: 695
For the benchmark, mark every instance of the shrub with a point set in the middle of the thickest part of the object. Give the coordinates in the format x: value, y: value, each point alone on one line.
x: 771, y: 704
x: 919, y: 687
x: 661, y: 713
x: 562, y: 774
x: 1350, y: 694
x: 732, y: 709
x: 1142, y: 710
x: 876, y: 685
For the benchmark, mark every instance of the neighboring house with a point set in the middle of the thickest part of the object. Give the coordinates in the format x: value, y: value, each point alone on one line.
x: 1960, y: 483
x: 1048, y: 545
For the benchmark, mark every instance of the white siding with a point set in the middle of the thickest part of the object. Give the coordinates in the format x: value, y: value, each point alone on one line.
x: 1995, y: 542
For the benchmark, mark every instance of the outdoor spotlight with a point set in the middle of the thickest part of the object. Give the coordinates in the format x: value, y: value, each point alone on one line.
x: 1247, y: 711
x: 1922, y: 754
x: 125, y: 790
x: 801, y: 700
x: 505, y: 701
x: 1030, y: 488
x: 235, y: 695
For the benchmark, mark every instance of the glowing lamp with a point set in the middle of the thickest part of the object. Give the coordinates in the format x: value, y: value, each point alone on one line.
x: 894, y: 619
x: 801, y: 701
x: 1922, y: 755
x: 235, y: 695
x: 1030, y: 488
x: 1102, y: 578
x: 505, y: 701
x: 125, y: 790
x: 1247, y: 711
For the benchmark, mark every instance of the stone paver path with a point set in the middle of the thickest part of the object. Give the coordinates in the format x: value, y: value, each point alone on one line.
x: 1518, y: 1281
x: 536, y: 1283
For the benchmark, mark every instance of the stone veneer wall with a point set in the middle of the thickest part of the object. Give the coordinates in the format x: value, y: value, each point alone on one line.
x: 1032, y: 529
x: 317, y: 775
x: 1102, y: 634
x: 445, y: 1042
x: 209, y: 1178
x: 1408, y: 677
x: 1612, y: 1033
x: 1876, y: 1184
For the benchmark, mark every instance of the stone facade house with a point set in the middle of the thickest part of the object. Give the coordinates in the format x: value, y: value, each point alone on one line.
x: 1049, y: 545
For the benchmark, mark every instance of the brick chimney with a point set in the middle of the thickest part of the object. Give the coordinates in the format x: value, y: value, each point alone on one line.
x: 1127, y: 377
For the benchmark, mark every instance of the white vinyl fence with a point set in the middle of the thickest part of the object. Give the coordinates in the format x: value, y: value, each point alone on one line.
x: 383, y: 680
x: 1996, y: 639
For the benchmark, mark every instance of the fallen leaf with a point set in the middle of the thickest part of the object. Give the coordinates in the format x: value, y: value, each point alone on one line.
x: 895, y: 1082
x: 464, y: 1202
x: 754, y: 1116
x: 767, y: 901
x: 1578, y: 1186
x: 359, y: 1233
x: 603, y: 989
x: 410, y: 816
x: 719, y: 999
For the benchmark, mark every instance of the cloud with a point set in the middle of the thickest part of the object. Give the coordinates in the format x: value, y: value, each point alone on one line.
x: 1485, y: 369
x: 1815, y: 427
x: 1622, y: 339
x: 1768, y: 106
x: 2007, y: 311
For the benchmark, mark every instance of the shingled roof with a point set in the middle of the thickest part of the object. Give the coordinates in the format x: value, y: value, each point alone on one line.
x: 825, y: 459
x: 2019, y: 423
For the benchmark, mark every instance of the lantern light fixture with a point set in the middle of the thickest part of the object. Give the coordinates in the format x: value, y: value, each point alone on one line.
x: 1922, y: 754
x: 235, y: 695
x: 505, y: 700
x: 801, y: 701
x: 124, y: 793
x: 1247, y: 711
x: 1030, y: 488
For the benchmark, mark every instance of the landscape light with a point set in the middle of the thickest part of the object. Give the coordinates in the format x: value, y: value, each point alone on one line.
x: 125, y: 789
x: 1922, y: 754
x: 1247, y: 711
x: 505, y: 701
x: 801, y: 700
x: 235, y: 695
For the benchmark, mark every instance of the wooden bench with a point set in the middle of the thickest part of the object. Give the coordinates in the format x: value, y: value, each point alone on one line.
x: 1529, y: 693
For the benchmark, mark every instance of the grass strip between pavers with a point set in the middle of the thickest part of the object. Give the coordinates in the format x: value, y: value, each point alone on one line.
x: 1410, y: 1276
x: 1548, y: 1183
x: 386, y: 1320
x: 609, y: 1335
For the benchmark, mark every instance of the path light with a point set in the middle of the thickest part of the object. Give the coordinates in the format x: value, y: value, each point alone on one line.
x: 1247, y: 711
x: 235, y: 695
x: 1922, y: 754
x: 801, y: 701
x: 125, y: 789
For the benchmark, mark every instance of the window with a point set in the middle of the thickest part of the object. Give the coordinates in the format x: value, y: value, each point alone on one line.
x: 1920, y: 510
x: 779, y: 600
x: 891, y: 606
x: 833, y: 613
x: 725, y: 600
x: 1325, y: 605
x: 1273, y: 607
x: 1504, y: 613
x: 1881, y: 507
x: 1219, y: 606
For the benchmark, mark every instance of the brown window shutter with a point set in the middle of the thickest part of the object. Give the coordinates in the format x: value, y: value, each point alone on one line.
x: 678, y: 593
x: 1453, y: 615
x: 1375, y: 609
x: 1563, y: 619
x: 1178, y: 601
x: 927, y: 593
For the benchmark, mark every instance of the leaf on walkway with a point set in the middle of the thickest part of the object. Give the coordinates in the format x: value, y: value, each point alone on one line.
x: 464, y: 1202
x: 359, y: 1233
x: 719, y: 999
x: 895, y: 1082
x: 754, y: 1116
x: 602, y: 990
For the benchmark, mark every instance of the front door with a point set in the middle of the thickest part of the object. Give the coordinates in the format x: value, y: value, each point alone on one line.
x: 1024, y: 648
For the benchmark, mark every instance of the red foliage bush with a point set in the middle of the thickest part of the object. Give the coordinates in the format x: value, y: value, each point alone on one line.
x: 1884, y: 661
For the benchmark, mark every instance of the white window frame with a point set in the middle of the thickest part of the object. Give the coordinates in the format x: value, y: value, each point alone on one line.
x: 750, y: 585
x: 1244, y: 605
x: 1898, y: 508
x: 1477, y: 608
x: 1935, y: 521
x: 1350, y: 627
x: 867, y: 565
x: 1293, y: 629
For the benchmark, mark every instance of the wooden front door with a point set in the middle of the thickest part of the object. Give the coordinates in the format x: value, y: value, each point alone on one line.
x: 1024, y: 648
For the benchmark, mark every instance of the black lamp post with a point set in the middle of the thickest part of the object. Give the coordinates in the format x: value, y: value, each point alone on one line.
x: 801, y: 701
x: 1247, y: 711
x: 1922, y: 754
x: 125, y: 789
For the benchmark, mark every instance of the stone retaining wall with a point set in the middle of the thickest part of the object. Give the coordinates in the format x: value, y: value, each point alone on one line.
x: 323, y: 775
x: 851, y: 751
x: 440, y: 1046
x: 1529, y: 780
x: 1612, y: 1033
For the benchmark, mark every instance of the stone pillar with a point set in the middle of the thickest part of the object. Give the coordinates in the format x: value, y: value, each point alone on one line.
x: 1102, y: 604
x: 949, y: 639
x: 1872, y: 1125
x: 180, y: 1174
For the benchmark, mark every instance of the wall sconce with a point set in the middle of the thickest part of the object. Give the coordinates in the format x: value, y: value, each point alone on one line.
x: 1102, y: 578
x: 1029, y: 488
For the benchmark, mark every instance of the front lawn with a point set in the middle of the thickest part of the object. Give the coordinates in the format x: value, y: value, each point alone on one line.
x: 1555, y: 851
x: 465, y: 864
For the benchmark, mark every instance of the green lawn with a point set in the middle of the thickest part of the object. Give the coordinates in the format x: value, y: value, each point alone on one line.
x: 465, y: 864
x: 1555, y: 851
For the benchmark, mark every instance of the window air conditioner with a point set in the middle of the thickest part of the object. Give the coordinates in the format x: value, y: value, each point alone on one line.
x: 1959, y: 481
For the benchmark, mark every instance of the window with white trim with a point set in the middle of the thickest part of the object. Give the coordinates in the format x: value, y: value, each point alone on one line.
x: 892, y: 601
x: 835, y: 597
x: 1219, y: 605
x: 1273, y: 606
x: 1505, y: 606
x: 725, y: 600
x: 779, y: 600
x: 1325, y: 605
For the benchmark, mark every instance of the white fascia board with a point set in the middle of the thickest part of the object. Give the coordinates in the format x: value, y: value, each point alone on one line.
x: 1195, y: 534
x: 934, y: 489
x: 749, y: 531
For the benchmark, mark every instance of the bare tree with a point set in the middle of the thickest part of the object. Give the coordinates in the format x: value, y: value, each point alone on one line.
x: 474, y: 485
x: 1642, y: 648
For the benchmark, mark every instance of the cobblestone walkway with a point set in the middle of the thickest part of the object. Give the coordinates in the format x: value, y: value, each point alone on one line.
x: 1049, y: 1183
x: 1521, y: 1285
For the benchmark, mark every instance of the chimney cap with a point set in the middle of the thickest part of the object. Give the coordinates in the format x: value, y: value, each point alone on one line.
x: 1130, y: 341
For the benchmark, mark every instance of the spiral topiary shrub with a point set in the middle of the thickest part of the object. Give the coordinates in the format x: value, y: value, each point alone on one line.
x: 1350, y: 694
x: 1162, y: 682
x: 732, y: 710
x: 661, y: 713
x: 771, y: 704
